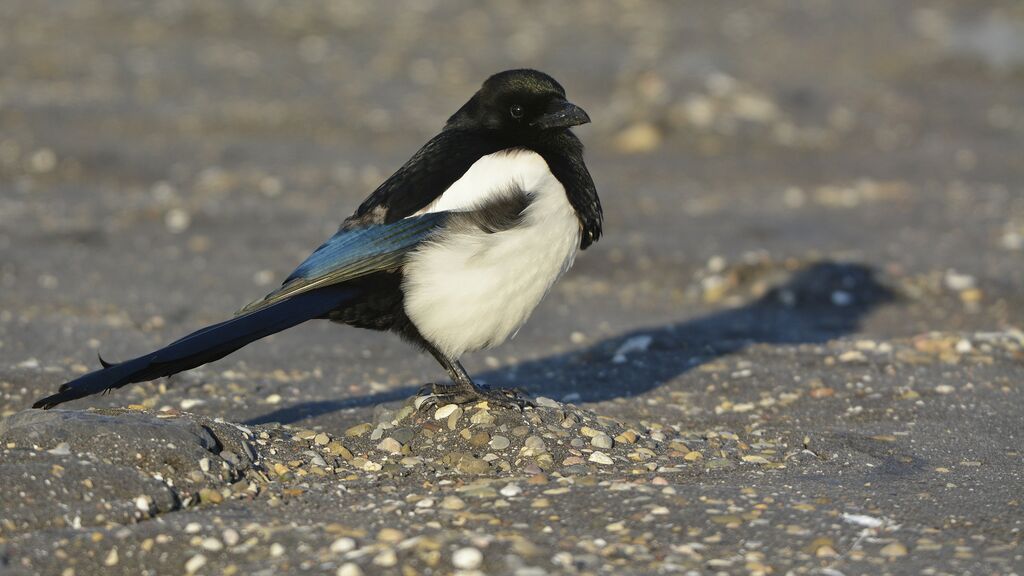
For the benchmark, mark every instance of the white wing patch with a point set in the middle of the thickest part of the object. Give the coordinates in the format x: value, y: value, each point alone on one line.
x: 468, y: 289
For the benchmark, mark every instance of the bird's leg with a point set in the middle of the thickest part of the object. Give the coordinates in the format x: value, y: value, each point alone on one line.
x: 463, y: 390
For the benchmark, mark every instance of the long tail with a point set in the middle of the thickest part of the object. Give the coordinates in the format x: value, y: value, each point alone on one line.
x: 205, y: 345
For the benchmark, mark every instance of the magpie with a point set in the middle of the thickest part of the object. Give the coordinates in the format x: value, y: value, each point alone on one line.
x: 453, y: 252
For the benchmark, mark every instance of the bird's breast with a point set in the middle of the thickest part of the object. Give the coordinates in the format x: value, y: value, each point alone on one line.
x: 470, y: 288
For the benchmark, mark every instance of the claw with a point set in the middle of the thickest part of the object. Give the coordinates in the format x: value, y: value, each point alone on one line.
x: 440, y: 394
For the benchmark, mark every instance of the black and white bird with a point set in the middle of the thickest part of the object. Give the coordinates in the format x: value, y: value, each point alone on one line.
x: 453, y: 252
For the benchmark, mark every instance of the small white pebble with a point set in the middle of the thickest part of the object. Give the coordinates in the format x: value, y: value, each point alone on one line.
x: 273, y: 399
x: 230, y: 536
x: 349, y: 569
x: 177, y: 220
x: 211, y: 544
x: 445, y: 411
x: 112, y: 558
x: 276, y: 549
x: 190, y: 403
x: 511, y: 490
x: 342, y: 545
x: 467, y: 558
x: 193, y: 527
x: 600, y: 458
x: 143, y: 503
x: 195, y: 563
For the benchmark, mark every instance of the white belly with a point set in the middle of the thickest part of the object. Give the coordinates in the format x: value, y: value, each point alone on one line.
x: 468, y: 289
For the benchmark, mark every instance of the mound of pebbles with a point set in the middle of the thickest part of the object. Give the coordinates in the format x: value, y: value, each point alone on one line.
x: 479, y: 439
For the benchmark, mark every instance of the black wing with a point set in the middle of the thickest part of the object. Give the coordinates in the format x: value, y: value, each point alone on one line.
x: 435, y: 167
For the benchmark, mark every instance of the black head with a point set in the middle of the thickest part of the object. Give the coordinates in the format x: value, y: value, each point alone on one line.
x: 519, y: 102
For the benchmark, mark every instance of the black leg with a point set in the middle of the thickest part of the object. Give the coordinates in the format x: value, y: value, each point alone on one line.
x: 463, y: 390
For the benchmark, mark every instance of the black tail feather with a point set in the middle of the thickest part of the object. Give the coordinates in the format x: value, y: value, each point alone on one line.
x: 205, y: 345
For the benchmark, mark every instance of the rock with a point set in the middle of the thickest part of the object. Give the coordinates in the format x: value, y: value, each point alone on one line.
x: 499, y: 443
x: 600, y: 458
x: 390, y: 445
x: 390, y: 535
x: 511, y: 490
x: 534, y: 443
x: 358, y: 429
x: 342, y: 545
x: 473, y: 465
x: 467, y: 558
x: 195, y: 563
x: 349, y: 569
x: 453, y: 503
x: 480, y: 439
x: 601, y: 441
x: 547, y: 402
x: 321, y: 439
x: 338, y: 449
x: 447, y: 410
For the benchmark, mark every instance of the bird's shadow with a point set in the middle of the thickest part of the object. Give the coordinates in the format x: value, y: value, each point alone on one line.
x: 818, y: 303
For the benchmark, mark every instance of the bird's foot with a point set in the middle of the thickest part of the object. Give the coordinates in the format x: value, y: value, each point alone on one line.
x: 438, y: 394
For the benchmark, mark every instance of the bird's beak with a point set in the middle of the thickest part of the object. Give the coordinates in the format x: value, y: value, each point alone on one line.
x: 565, y: 115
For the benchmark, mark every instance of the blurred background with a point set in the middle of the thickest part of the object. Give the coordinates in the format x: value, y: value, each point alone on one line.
x: 163, y: 163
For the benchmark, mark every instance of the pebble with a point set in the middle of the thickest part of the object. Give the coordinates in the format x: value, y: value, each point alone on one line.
x: 511, y: 490
x: 390, y: 535
x: 467, y: 558
x: 387, y: 558
x: 446, y: 411
x: 390, y: 445
x: 195, y: 563
x: 212, y: 544
x: 349, y: 569
x: 321, y: 439
x: 600, y: 458
x: 482, y: 417
x: 453, y: 503
x: 144, y: 503
x: 112, y: 558
x: 61, y: 449
x: 535, y: 443
x: 273, y: 399
x: 338, y: 449
x: 210, y: 495
x: 601, y: 441
x: 358, y: 429
x: 276, y: 550
x: 342, y: 545
x: 499, y: 443
x: 403, y: 435
x: 230, y: 536
x: 547, y: 402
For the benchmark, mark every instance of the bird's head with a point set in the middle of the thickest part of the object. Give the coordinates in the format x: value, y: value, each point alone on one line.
x: 523, y: 103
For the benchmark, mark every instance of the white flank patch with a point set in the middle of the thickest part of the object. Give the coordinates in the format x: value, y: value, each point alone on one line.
x: 467, y: 289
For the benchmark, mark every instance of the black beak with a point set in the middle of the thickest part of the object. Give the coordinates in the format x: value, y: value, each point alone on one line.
x: 565, y: 115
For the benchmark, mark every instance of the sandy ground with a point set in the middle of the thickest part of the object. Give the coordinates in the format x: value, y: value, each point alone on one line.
x: 797, y: 349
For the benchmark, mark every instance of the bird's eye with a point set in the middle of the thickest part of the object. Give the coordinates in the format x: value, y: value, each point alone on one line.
x: 516, y: 111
